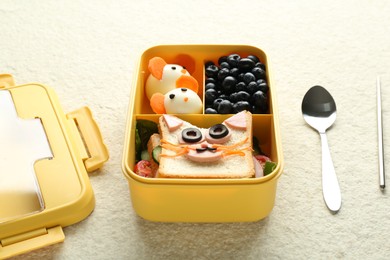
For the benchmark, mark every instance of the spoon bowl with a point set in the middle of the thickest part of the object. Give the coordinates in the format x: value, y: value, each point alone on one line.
x: 319, y: 111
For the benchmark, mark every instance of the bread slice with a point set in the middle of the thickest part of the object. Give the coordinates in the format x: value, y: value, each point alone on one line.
x: 236, y: 161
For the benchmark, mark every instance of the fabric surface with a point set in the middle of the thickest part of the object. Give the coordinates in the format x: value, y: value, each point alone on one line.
x: 86, y: 51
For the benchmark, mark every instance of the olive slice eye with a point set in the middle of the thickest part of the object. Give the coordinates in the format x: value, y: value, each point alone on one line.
x: 191, y: 135
x: 218, y: 131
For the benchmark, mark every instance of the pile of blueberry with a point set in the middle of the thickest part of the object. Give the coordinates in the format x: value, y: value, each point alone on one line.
x: 236, y: 84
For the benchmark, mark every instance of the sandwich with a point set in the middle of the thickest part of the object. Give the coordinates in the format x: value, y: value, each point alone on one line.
x: 223, y: 150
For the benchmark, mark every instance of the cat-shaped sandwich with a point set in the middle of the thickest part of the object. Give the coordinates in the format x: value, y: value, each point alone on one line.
x: 221, y: 151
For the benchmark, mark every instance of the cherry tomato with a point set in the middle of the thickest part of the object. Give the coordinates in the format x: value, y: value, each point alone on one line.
x: 143, y: 168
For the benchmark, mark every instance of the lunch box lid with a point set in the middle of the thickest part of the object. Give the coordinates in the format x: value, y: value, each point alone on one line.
x: 44, y: 171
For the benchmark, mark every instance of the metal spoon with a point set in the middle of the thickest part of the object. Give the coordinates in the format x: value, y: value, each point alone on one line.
x: 319, y: 111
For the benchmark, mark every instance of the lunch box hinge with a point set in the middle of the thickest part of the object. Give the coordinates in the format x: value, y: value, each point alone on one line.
x: 31, y: 240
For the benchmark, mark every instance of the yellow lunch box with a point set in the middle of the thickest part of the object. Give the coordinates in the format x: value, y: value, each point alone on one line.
x: 201, y: 200
x: 45, y: 158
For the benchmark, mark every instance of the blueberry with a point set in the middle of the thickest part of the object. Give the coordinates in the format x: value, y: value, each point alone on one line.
x: 216, y: 103
x: 260, y: 101
x: 223, y: 73
x: 210, y: 80
x: 209, y: 63
x: 234, y: 72
x: 260, y: 65
x: 224, y: 65
x: 210, y: 95
x: 223, y: 96
x: 259, y: 73
x: 241, y: 106
x: 257, y: 110
x: 228, y: 84
x: 234, y: 84
x: 253, y: 58
x: 246, y: 64
x: 263, y: 109
x: 262, y: 85
x: 222, y: 59
x: 252, y: 87
x: 243, y: 96
x: 240, y: 86
x: 233, y: 59
x: 249, y: 77
x: 258, y: 98
x: 225, y: 107
x: 240, y: 77
x: 233, y: 97
x: 210, y: 111
x: 260, y: 81
x: 210, y: 85
x: 212, y: 71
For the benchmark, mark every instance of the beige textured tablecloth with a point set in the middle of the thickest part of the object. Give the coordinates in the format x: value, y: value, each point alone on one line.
x: 86, y: 51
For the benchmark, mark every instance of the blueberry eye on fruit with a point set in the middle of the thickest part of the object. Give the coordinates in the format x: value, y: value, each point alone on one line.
x: 191, y: 135
x: 218, y: 131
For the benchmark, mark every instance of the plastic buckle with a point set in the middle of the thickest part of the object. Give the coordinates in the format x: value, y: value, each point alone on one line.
x: 92, y: 138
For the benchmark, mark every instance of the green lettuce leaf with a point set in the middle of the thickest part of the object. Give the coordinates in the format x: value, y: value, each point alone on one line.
x: 269, y: 167
x: 144, y: 129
